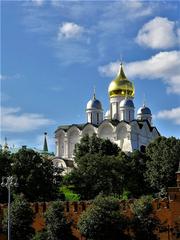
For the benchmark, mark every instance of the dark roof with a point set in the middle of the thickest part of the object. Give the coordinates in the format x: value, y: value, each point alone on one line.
x: 66, y: 127
x: 113, y: 122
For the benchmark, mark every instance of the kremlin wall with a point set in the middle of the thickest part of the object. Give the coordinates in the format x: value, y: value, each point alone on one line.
x: 166, y: 209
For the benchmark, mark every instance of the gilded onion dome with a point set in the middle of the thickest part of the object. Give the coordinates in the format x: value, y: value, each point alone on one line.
x: 121, y: 86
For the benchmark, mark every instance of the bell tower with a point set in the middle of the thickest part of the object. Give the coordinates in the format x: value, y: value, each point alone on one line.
x: 119, y: 89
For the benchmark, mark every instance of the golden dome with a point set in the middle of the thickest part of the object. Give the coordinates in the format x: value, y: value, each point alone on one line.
x: 121, y: 86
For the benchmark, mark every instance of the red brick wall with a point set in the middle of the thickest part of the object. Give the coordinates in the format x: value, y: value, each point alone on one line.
x: 168, y: 211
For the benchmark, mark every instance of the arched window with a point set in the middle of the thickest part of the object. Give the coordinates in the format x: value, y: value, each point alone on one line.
x: 143, y: 148
x: 97, y: 118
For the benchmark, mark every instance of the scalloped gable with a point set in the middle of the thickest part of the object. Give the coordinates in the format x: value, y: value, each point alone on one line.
x: 67, y: 127
x: 89, y: 129
x: 113, y: 122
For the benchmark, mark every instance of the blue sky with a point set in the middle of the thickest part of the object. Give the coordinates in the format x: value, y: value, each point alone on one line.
x: 55, y: 52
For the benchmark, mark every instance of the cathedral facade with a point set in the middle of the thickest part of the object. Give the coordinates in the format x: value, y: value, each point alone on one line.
x: 119, y: 124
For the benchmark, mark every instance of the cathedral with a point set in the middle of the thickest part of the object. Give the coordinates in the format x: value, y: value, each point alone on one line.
x: 119, y: 123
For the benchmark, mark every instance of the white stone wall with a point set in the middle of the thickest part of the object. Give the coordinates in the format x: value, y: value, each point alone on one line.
x: 127, y: 136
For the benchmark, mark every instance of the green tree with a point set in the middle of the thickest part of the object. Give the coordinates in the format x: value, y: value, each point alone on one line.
x: 69, y: 194
x: 133, y: 170
x: 35, y: 175
x: 97, y: 174
x: 21, y: 219
x: 5, y: 169
x: 42, y: 235
x: 57, y: 226
x: 162, y: 163
x: 94, y: 145
x: 103, y: 220
x: 144, y: 224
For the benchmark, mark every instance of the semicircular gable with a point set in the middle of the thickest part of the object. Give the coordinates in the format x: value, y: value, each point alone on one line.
x: 61, y: 143
x: 59, y: 133
x: 122, y: 130
x: 89, y: 129
x: 73, y: 136
x: 59, y: 163
x: 106, y: 130
x: 123, y: 125
x: 73, y: 130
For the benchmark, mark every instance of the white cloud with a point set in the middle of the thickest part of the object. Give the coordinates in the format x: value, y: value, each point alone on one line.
x: 12, y: 120
x: 56, y: 3
x: 136, y: 8
x: 9, y: 77
x: 38, y: 2
x: 159, y: 33
x: 3, y: 77
x: 69, y: 30
x: 172, y: 115
x: 163, y: 66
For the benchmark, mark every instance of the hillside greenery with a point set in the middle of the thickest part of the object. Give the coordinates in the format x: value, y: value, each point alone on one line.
x: 103, y: 174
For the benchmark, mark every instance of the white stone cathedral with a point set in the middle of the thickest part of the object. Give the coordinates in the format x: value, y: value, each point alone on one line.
x: 119, y: 124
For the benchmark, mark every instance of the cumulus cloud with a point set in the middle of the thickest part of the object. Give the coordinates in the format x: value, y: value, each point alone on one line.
x: 12, y: 120
x: 69, y: 30
x: 163, y: 66
x: 159, y: 33
x: 172, y: 114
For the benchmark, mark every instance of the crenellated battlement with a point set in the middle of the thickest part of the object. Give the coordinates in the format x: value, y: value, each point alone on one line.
x: 167, y: 210
x: 79, y: 207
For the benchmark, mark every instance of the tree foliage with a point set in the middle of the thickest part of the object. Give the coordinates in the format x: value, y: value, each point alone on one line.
x: 162, y: 162
x: 97, y: 174
x: 144, y: 223
x: 35, y: 175
x: 69, y: 194
x: 21, y: 219
x: 95, y: 145
x: 57, y: 227
x: 103, y: 220
x: 110, y: 175
x: 5, y: 169
x: 41, y: 235
x: 133, y: 170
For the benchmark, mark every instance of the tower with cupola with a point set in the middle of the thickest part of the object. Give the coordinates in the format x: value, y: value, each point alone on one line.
x: 94, y: 111
x: 121, y: 94
x: 144, y: 113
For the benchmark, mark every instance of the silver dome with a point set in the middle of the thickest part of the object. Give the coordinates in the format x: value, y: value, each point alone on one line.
x: 144, y: 110
x: 94, y: 103
x: 127, y: 103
